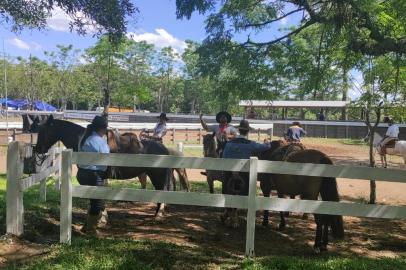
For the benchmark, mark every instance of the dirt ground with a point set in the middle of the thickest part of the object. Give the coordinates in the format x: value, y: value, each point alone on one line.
x: 200, y: 226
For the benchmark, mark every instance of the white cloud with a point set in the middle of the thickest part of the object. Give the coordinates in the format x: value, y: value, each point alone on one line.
x: 160, y: 38
x: 60, y: 21
x: 16, y: 42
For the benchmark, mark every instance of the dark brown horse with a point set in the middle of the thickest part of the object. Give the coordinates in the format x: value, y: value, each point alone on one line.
x: 129, y: 143
x: 307, y: 187
x: 71, y: 134
x: 210, y: 150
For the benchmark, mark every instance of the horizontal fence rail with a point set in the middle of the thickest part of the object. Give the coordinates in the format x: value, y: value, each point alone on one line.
x: 251, y: 202
x: 242, y: 165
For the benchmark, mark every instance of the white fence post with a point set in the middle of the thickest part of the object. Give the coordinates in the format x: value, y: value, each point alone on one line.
x: 14, y: 194
x: 66, y: 198
x: 180, y: 147
x: 251, y: 213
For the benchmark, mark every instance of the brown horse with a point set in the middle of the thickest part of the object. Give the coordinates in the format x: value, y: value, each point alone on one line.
x: 307, y: 187
x: 183, y: 178
x: 210, y: 150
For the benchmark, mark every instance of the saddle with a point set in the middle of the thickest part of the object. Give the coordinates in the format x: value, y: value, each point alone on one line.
x: 391, y: 144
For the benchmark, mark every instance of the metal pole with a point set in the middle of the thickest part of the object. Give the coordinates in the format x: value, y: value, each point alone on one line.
x: 5, y: 85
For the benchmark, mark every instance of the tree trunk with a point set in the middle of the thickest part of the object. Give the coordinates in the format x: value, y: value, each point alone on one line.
x: 344, y: 115
x: 372, y: 184
x: 106, y: 100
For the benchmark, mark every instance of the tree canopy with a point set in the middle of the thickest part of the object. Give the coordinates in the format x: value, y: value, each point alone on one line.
x: 372, y: 27
x: 104, y: 16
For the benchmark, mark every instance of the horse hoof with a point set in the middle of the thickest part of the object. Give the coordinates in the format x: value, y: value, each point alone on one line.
x: 282, y: 227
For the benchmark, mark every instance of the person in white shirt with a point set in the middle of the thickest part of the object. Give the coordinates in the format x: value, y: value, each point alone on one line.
x: 392, y: 134
x: 159, y: 130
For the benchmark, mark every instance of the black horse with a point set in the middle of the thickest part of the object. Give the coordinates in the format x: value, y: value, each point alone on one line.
x: 70, y: 134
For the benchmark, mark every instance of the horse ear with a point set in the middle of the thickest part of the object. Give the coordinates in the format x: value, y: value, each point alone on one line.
x: 50, y: 120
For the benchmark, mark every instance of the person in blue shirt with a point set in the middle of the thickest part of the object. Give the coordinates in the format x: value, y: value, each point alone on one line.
x: 93, y: 175
x: 240, y: 148
x: 295, y: 132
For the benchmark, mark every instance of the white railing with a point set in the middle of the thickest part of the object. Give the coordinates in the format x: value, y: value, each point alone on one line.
x: 251, y: 202
x: 17, y: 183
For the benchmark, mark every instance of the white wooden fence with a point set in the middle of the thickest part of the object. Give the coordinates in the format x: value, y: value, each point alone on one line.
x: 251, y: 202
x: 17, y: 183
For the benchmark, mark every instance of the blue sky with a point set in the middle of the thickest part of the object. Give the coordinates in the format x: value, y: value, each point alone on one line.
x: 156, y: 23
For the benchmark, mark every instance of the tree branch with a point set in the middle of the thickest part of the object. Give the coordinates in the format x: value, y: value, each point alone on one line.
x: 267, y: 44
x: 272, y: 21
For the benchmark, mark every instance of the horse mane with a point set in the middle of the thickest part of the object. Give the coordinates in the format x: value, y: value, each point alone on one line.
x: 68, y: 124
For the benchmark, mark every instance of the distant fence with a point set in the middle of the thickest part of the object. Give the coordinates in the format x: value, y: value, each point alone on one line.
x: 18, y: 182
x: 251, y: 202
x: 136, y: 121
x: 340, y: 130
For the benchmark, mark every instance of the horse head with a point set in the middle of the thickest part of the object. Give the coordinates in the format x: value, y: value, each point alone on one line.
x: 47, y: 136
x: 113, y: 140
x: 210, y: 145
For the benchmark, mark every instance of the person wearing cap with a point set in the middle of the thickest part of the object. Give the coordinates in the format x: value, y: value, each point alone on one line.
x: 295, y: 132
x: 223, y: 131
x: 241, y: 147
x: 93, y: 175
x: 392, y: 134
x: 159, y: 130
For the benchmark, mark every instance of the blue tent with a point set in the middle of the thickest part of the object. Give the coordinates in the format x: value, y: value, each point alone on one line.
x: 10, y: 103
x: 43, y: 106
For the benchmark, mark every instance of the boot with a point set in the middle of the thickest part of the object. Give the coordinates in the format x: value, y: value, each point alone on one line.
x: 103, y: 219
x: 90, y: 227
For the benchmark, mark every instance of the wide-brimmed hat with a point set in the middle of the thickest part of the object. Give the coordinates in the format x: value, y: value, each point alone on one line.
x: 244, y: 125
x: 226, y: 114
x: 163, y: 115
x: 99, y: 122
x: 387, y: 119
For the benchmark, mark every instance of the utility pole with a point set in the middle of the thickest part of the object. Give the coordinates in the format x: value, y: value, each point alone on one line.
x: 5, y: 85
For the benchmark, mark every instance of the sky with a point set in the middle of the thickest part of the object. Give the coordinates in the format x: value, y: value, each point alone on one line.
x: 156, y: 23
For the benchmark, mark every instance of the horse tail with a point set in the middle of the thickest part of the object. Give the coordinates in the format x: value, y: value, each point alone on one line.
x: 329, y: 192
x: 183, y: 178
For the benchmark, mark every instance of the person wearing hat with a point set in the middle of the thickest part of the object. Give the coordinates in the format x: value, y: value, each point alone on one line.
x: 223, y: 131
x: 93, y: 175
x: 295, y: 132
x: 392, y: 134
x: 241, y: 147
x: 159, y: 130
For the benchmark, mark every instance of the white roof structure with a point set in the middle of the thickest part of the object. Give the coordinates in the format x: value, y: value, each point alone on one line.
x: 293, y: 104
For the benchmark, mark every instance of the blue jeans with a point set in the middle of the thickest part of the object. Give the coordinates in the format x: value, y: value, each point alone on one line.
x: 92, y: 178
